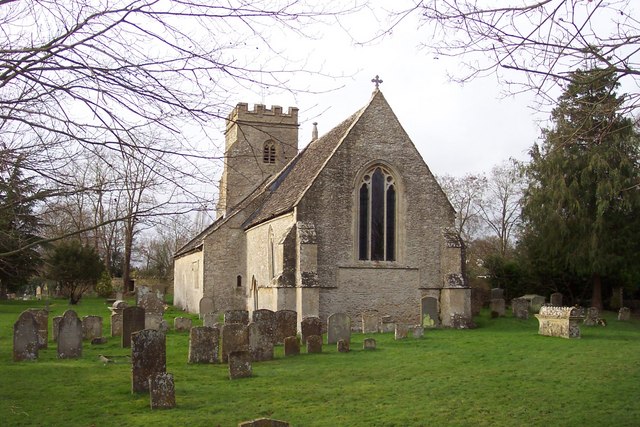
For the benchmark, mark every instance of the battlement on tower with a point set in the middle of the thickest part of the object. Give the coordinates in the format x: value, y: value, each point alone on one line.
x: 261, y: 114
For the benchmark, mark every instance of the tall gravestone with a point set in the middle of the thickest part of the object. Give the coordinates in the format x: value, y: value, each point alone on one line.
x: 206, y: 306
x: 338, y: 328
x: 310, y: 326
x: 292, y: 345
x: 70, y: 336
x: 401, y: 332
x: 262, y: 335
x: 591, y: 318
x: 25, y: 337
x: 556, y: 299
x: 116, y: 317
x: 148, y: 357
x: 314, y: 344
x: 286, y: 325
x: 370, y: 320
x: 520, y: 308
x: 235, y: 337
x: 430, y: 312
x: 132, y: 321
x: 240, y: 365
x: 42, y: 319
x: 204, y: 344
x: 236, y: 316
x: 91, y: 327
x: 162, y: 391
x: 153, y: 310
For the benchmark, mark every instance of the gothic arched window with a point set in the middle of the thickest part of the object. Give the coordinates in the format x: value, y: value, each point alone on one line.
x: 269, y: 152
x: 377, y: 216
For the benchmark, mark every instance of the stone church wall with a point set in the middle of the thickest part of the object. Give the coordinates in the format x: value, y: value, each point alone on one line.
x: 188, y: 280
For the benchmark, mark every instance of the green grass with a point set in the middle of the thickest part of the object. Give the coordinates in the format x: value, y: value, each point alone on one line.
x: 502, y: 373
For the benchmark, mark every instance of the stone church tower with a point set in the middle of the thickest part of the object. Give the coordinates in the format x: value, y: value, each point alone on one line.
x: 259, y: 143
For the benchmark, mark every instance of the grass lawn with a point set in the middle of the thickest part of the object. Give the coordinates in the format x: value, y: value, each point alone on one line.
x: 500, y: 374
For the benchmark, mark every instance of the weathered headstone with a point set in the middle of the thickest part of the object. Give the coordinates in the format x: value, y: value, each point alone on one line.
x: 497, y: 306
x: 591, y: 318
x: 261, y: 341
x: 25, y: 337
x: 205, y: 306
x: 556, y: 299
x: 343, y: 346
x: 116, y: 317
x: 401, y: 331
x: 535, y: 302
x: 292, y: 346
x: 91, y: 327
x: 417, y: 331
x: 236, y: 316
x: 70, y: 336
x: 204, y: 344
x: 430, y: 312
x: 235, y: 337
x: 286, y: 325
x: 210, y: 320
x: 461, y: 321
x: 42, y: 319
x: 153, y: 310
x: 520, y: 308
x: 314, y: 344
x: 240, y: 365
x: 369, y: 344
x: 162, y: 391
x: 148, y: 357
x: 310, y: 326
x: 55, y: 327
x: 624, y: 314
x: 559, y: 321
x: 264, y: 422
x: 369, y: 322
x: 387, y: 324
x: 132, y: 321
x: 497, y: 293
x: 338, y: 328
x: 182, y: 324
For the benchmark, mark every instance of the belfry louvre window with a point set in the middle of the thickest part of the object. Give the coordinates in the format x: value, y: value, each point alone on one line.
x: 269, y: 152
x: 377, y: 216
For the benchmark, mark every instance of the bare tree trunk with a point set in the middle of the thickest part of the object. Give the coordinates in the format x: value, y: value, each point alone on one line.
x: 596, y: 296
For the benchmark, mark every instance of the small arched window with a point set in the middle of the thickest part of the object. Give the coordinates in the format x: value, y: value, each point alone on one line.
x: 239, y: 281
x: 377, y: 215
x: 269, y: 152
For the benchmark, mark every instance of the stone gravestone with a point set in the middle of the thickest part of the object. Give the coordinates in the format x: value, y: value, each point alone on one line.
x: 401, y: 331
x: 148, y: 357
x: 204, y: 344
x: 91, y: 327
x: 25, y: 337
x: 497, y: 293
x: 206, y: 306
x: 70, y: 336
x: 42, y: 319
x: 624, y: 314
x: 520, y: 308
x: 236, y: 316
x: 264, y: 422
x: 343, y: 346
x: 591, y: 318
x: 260, y: 341
x: 369, y: 322
x: 153, y: 310
x: 182, y: 324
x: 116, y: 317
x: 497, y: 306
x: 556, y: 299
x: 240, y: 365
x: 162, y: 391
x: 369, y: 344
x: 535, y: 302
x: 387, y: 324
x: 286, y: 325
x: 210, y: 319
x: 292, y: 346
x: 55, y: 327
x: 310, y: 326
x: 235, y: 337
x: 430, y: 313
x: 132, y: 321
x: 417, y: 331
x: 338, y: 328
x: 314, y: 344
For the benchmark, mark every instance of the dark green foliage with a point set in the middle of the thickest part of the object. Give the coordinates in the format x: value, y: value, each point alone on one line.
x: 19, y: 227
x: 104, y: 288
x: 76, y: 268
x: 582, y: 203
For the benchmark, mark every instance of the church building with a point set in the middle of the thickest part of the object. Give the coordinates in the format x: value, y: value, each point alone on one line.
x: 355, y: 222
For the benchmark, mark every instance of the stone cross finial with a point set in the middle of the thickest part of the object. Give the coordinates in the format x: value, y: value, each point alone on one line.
x: 377, y: 81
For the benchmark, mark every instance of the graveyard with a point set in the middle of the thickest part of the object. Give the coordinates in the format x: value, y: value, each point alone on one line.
x: 501, y: 373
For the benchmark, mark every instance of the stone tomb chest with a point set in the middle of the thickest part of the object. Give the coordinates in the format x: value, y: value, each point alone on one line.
x: 560, y: 321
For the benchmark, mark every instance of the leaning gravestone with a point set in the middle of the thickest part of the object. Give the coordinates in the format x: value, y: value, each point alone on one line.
x: 148, y: 357
x: 204, y: 344
x: 430, y: 314
x: 162, y: 391
x: 153, y: 310
x: 314, y: 344
x: 286, y: 325
x: 55, y: 327
x: 132, y: 321
x: 556, y: 299
x: 260, y: 341
x: 116, y: 317
x: 624, y: 314
x: 206, y: 306
x: 236, y: 316
x: 70, y: 336
x: 240, y: 365
x: 25, y: 337
x: 42, y: 319
x: 292, y: 346
x: 591, y: 318
x: 520, y: 308
x: 235, y: 337
x: 310, y: 326
x: 91, y: 327
x: 369, y: 322
x: 182, y: 324
x: 338, y: 328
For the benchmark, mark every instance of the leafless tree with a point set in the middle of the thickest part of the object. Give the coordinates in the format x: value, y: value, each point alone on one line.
x: 465, y: 194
